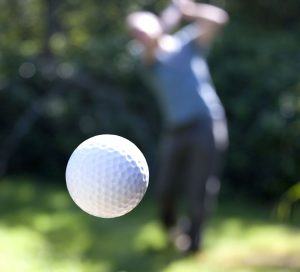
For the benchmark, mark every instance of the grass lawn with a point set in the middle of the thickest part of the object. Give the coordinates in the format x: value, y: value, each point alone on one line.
x: 42, y: 230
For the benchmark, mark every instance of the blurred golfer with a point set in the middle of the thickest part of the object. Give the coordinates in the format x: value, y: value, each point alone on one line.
x: 195, y: 135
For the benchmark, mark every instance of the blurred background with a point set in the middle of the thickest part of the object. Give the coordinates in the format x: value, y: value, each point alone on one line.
x: 66, y: 75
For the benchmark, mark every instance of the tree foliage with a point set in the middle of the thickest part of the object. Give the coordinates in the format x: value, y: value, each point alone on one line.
x: 66, y: 74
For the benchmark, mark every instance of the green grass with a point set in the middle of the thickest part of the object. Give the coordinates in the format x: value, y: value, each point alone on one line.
x: 42, y: 230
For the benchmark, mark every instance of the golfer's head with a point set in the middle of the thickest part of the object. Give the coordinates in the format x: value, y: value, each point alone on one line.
x: 144, y: 26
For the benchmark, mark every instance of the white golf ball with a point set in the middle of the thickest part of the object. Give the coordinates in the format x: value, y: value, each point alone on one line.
x: 107, y: 176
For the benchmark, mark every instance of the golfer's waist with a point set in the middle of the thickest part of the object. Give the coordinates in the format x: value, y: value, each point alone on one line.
x: 188, y: 124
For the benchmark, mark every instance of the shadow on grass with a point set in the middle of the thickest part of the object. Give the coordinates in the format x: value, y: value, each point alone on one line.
x: 40, y: 219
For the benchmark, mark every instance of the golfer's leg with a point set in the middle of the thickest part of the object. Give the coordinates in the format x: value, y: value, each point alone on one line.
x: 167, y: 180
x: 198, y: 172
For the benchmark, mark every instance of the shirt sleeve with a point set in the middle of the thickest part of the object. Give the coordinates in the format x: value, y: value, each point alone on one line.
x: 189, y: 34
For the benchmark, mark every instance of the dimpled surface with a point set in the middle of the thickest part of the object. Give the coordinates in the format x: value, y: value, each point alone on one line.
x: 107, y: 176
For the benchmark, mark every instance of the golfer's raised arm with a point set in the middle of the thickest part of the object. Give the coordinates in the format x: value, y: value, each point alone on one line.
x: 211, y: 19
x: 170, y: 17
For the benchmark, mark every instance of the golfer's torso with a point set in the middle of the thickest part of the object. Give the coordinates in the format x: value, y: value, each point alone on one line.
x: 183, y: 85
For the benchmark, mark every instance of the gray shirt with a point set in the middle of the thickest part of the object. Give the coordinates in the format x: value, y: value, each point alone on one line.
x: 182, y: 81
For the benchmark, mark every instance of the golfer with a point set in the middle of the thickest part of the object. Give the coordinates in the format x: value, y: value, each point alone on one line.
x: 195, y: 131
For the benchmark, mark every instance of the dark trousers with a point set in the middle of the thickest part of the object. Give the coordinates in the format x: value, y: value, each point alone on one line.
x: 190, y: 163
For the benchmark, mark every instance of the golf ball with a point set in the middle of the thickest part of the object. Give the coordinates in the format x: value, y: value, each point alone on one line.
x: 107, y: 176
